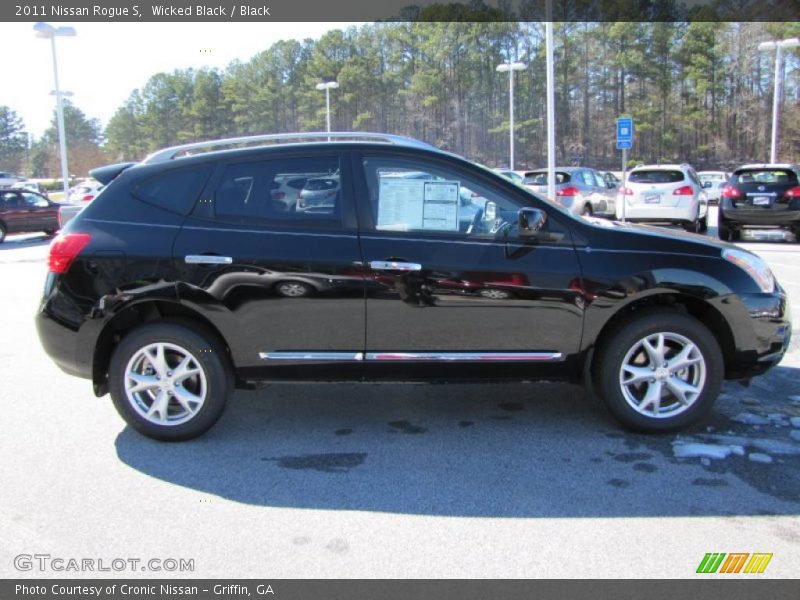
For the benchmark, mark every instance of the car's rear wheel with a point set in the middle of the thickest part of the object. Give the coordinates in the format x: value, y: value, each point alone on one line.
x: 170, y: 382
x: 659, y: 371
x: 704, y: 224
x: 587, y: 210
x: 2, y: 233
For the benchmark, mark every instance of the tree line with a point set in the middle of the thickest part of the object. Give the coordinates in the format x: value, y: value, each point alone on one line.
x: 699, y: 92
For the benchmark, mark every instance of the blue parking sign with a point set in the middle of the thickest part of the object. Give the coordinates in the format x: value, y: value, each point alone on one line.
x: 624, y: 133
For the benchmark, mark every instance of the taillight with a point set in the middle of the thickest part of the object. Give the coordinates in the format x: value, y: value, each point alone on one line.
x: 87, y: 197
x: 64, y: 249
x: 568, y: 191
x: 731, y: 192
x: 60, y: 221
x: 793, y: 192
x: 684, y: 190
x: 626, y: 191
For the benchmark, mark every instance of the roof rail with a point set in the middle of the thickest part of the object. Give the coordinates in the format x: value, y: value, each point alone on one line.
x: 386, y: 138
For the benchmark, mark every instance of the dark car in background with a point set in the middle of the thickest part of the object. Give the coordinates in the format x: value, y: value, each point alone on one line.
x: 23, y: 211
x: 165, y: 290
x: 760, y: 197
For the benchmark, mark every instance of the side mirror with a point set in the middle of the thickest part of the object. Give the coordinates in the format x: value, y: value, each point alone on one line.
x: 490, y: 211
x: 531, y: 221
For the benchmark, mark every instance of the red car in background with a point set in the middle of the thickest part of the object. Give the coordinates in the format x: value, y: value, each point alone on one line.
x: 22, y: 211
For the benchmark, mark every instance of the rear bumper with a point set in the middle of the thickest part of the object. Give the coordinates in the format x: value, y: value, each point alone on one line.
x: 61, y: 343
x: 761, y: 217
x: 655, y: 213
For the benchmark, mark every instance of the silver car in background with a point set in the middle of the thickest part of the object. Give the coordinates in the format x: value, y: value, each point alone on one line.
x: 664, y: 194
x: 580, y: 190
x: 713, y: 182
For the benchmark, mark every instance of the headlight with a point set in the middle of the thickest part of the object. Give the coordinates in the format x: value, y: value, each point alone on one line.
x: 755, y: 267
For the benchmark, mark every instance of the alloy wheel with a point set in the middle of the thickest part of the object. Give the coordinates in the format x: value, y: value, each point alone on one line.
x: 165, y: 384
x: 662, y: 375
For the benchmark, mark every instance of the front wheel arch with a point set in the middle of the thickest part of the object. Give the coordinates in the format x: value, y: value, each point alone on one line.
x: 699, y: 309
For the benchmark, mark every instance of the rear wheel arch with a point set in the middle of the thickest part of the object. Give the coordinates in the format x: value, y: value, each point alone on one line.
x: 139, y: 314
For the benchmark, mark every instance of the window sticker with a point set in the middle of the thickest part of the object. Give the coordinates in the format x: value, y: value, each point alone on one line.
x: 407, y: 204
x: 440, y: 208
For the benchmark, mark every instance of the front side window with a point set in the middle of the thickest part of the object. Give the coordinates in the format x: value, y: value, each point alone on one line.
x: 406, y: 195
x: 35, y: 200
x: 280, y: 191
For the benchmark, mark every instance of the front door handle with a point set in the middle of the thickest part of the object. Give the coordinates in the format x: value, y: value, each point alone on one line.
x: 393, y: 265
x: 207, y: 259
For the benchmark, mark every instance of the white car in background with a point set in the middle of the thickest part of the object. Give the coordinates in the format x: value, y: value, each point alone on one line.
x: 85, y: 192
x: 713, y: 182
x: 664, y: 194
x: 33, y: 186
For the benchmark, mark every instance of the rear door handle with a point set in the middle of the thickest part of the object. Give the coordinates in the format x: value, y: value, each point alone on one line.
x: 391, y: 265
x: 207, y: 259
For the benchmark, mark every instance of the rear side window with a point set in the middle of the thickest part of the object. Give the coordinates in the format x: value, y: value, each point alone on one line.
x: 655, y: 176
x: 302, y: 190
x: 784, y: 176
x: 175, y: 191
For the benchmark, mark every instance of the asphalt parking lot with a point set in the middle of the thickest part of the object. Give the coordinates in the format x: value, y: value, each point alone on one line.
x: 393, y: 481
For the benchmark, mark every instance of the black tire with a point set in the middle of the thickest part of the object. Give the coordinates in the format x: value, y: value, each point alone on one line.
x: 723, y: 231
x: 704, y: 224
x: 293, y: 289
x: 626, y: 338
x: 50, y: 232
x: 207, y: 354
x: 692, y: 226
x: 2, y: 233
x: 587, y: 211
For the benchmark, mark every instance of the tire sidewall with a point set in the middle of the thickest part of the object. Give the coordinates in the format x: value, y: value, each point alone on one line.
x: 205, y: 350
x: 613, y: 352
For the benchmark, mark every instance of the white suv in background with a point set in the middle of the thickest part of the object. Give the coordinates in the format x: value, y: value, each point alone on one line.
x: 664, y: 194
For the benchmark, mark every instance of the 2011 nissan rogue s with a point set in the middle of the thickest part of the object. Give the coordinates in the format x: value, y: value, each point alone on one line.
x: 194, y: 274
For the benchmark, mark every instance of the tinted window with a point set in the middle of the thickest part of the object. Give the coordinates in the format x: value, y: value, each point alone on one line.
x: 588, y: 178
x: 284, y: 191
x: 175, y: 191
x: 655, y: 176
x: 780, y: 176
x: 12, y: 200
x: 35, y: 200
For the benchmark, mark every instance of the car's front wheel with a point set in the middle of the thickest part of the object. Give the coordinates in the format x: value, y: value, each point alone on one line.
x: 169, y: 381
x: 661, y: 370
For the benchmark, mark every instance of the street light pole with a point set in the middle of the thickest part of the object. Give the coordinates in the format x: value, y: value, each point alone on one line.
x: 45, y: 30
x: 777, y: 91
x: 511, y: 67
x: 328, y: 86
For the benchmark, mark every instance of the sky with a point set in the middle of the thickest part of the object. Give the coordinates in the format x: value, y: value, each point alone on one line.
x: 105, y: 62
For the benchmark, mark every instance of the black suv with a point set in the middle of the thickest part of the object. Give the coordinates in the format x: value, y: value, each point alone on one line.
x: 200, y: 270
x: 759, y: 197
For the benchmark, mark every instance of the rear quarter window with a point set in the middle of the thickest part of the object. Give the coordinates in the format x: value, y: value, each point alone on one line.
x: 655, y: 176
x: 175, y: 190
